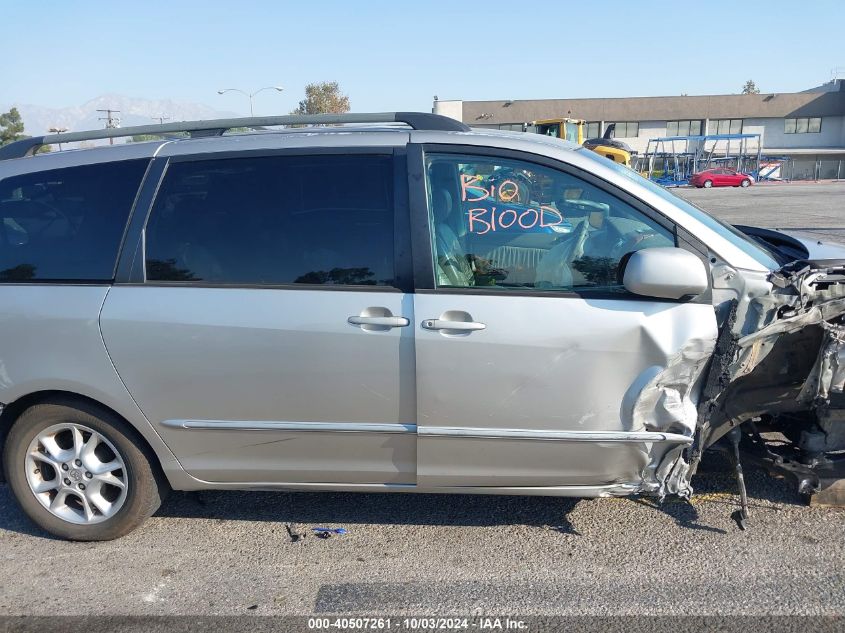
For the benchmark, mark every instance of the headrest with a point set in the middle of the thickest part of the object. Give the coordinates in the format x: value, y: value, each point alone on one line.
x: 441, y: 204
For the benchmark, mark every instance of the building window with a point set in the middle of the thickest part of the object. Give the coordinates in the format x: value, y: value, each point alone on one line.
x: 512, y: 127
x: 592, y: 129
x: 627, y: 129
x: 726, y: 126
x: 684, y: 128
x: 803, y: 125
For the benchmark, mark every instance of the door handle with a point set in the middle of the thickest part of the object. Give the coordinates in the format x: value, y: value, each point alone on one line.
x: 443, y: 324
x: 383, y: 321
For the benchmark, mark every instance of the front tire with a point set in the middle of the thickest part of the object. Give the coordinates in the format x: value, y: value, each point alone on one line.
x: 745, y: 183
x: 708, y: 184
x: 79, y: 472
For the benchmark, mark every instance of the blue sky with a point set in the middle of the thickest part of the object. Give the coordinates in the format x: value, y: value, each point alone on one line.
x: 397, y: 55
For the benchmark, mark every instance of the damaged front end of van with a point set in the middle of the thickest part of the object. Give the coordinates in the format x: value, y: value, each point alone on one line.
x: 771, y: 387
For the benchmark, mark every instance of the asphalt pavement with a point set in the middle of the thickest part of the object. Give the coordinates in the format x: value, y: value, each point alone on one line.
x: 230, y: 553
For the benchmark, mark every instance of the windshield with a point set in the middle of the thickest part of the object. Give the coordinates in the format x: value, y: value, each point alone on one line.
x: 571, y: 131
x: 742, y: 241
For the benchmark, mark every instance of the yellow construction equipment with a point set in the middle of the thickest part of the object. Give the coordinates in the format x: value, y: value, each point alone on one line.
x: 567, y: 129
x: 573, y: 130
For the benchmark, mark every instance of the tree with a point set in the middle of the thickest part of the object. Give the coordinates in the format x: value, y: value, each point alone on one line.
x: 324, y: 97
x: 11, y: 130
x: 11, y: 127
x: 750, y: 88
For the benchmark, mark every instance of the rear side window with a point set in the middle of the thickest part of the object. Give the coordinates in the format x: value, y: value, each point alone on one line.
x: 66, y: 224
x: 274, y: 220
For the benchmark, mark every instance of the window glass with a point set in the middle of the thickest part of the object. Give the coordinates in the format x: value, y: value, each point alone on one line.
x: 627, y: 129
x: 592, y: 130
x: 324, y: 219
x: 512, y: 127
x: 725, y: 126
x: 549, y: 129
x: 66, y: 224
x: 683, y: 128
x: 801, y: 125
x: 789, y: 126
x: 750, y: 247
x: 506, y: 224
x: 815, y: 125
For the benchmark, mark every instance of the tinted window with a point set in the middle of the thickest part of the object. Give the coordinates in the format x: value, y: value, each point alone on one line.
x: 507, y: 224
x: 274, y: 220
x: 66, y: 224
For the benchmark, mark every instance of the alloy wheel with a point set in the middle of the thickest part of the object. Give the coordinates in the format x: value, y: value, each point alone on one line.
x: 76, y: 474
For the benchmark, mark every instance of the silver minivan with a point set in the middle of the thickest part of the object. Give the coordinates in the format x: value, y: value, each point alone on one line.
x: 389, y: 302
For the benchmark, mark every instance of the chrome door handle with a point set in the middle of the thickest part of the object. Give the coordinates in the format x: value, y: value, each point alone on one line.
x: 384, y: 321
x: 442, y: 324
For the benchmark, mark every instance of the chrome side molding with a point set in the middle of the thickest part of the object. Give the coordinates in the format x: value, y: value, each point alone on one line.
x: 570, y: 436
x: 273, y: 425
x: 430, y: 431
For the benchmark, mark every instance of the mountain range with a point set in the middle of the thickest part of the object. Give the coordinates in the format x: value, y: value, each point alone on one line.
x: 133, y: 111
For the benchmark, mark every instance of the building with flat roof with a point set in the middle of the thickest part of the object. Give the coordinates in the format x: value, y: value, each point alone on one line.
x: 806, y: 127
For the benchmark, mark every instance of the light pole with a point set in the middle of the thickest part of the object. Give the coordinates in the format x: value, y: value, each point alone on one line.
x: 250, y: 95
x: 58, y: 130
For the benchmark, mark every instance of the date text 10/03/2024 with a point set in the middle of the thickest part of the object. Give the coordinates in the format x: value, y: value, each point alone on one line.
x: 481, y: 623
x: 482, y: 220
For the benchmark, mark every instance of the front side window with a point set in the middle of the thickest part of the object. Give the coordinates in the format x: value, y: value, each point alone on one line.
x: 738, y: 239
x: 274, y: 220
x: 507, y: 224
x: 66, y: 224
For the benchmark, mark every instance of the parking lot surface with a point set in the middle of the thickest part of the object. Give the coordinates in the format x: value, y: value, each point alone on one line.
x: 230, y: 553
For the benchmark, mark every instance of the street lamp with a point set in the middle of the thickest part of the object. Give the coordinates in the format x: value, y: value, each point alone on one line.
x: 250, y: 95
x: 58, y: 130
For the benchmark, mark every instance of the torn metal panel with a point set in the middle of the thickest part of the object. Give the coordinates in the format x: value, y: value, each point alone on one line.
x: 780, y: 352
x: 668, y: 402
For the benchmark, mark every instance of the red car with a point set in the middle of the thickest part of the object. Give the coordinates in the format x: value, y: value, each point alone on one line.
x: 721, y: 177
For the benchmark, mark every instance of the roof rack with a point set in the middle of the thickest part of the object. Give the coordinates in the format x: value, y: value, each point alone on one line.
x: 216, y: 127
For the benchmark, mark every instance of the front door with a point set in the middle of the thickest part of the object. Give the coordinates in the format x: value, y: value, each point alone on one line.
x: 530, y: 354
x: 269, y: 341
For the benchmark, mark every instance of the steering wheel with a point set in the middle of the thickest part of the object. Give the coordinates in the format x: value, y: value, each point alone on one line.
x: 633, y: 240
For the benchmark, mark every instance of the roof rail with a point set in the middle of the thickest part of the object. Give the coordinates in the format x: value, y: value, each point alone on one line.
x: 216, y: 127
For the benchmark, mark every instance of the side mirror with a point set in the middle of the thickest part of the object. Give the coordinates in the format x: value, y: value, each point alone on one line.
x: 666, y: 272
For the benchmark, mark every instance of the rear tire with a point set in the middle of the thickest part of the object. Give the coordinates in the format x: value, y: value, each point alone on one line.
x: 708, y: 184
x: 80, y: 472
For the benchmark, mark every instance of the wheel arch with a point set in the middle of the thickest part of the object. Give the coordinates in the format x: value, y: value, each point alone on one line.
x: 12, y: 411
